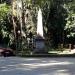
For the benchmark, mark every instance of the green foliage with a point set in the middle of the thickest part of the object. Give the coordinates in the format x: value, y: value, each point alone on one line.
x: 70, y: 25
x: 5, y: 25
x: 58, y: 17
x: 4, y: 9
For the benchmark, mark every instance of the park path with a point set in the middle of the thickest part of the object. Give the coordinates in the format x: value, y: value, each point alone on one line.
x: 37, y: 66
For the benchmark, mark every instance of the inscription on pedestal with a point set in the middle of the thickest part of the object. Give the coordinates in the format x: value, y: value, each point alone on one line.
x: 39, y: 45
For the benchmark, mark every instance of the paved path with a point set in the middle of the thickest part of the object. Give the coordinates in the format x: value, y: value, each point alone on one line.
x: 37, y: 66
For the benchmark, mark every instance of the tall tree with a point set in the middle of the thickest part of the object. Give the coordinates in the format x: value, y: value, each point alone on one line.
x: 5, y: 25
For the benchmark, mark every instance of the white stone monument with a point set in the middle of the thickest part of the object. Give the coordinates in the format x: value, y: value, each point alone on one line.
x: 39, y: 24
x: 39, y: 39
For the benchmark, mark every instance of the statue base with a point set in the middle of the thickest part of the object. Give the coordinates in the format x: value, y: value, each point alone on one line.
x: 39, y: 45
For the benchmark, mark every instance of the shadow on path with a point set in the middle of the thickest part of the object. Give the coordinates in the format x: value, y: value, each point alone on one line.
x: 37, y: 66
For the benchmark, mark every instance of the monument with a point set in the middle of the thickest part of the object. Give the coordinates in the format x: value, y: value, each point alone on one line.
x: 39, y: 39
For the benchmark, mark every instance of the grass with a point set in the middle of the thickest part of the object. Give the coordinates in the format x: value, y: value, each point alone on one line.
x: 51, y: 53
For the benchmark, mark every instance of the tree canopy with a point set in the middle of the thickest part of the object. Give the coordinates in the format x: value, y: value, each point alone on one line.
x: 5, y: 25
x: 58, y: 19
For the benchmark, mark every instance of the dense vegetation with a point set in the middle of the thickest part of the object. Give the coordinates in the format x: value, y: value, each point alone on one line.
x: 58, y: 22
x: 5, y: 24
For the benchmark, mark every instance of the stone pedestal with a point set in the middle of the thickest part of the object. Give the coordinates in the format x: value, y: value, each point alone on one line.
x: 39, y: 45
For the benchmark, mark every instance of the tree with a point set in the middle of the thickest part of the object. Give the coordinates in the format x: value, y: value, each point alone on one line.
x: 5, y: 24
x: 70, y: 25
x: 56, y: 15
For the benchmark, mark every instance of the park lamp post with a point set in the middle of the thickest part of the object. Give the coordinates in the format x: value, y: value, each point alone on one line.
x: 19, y: 16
